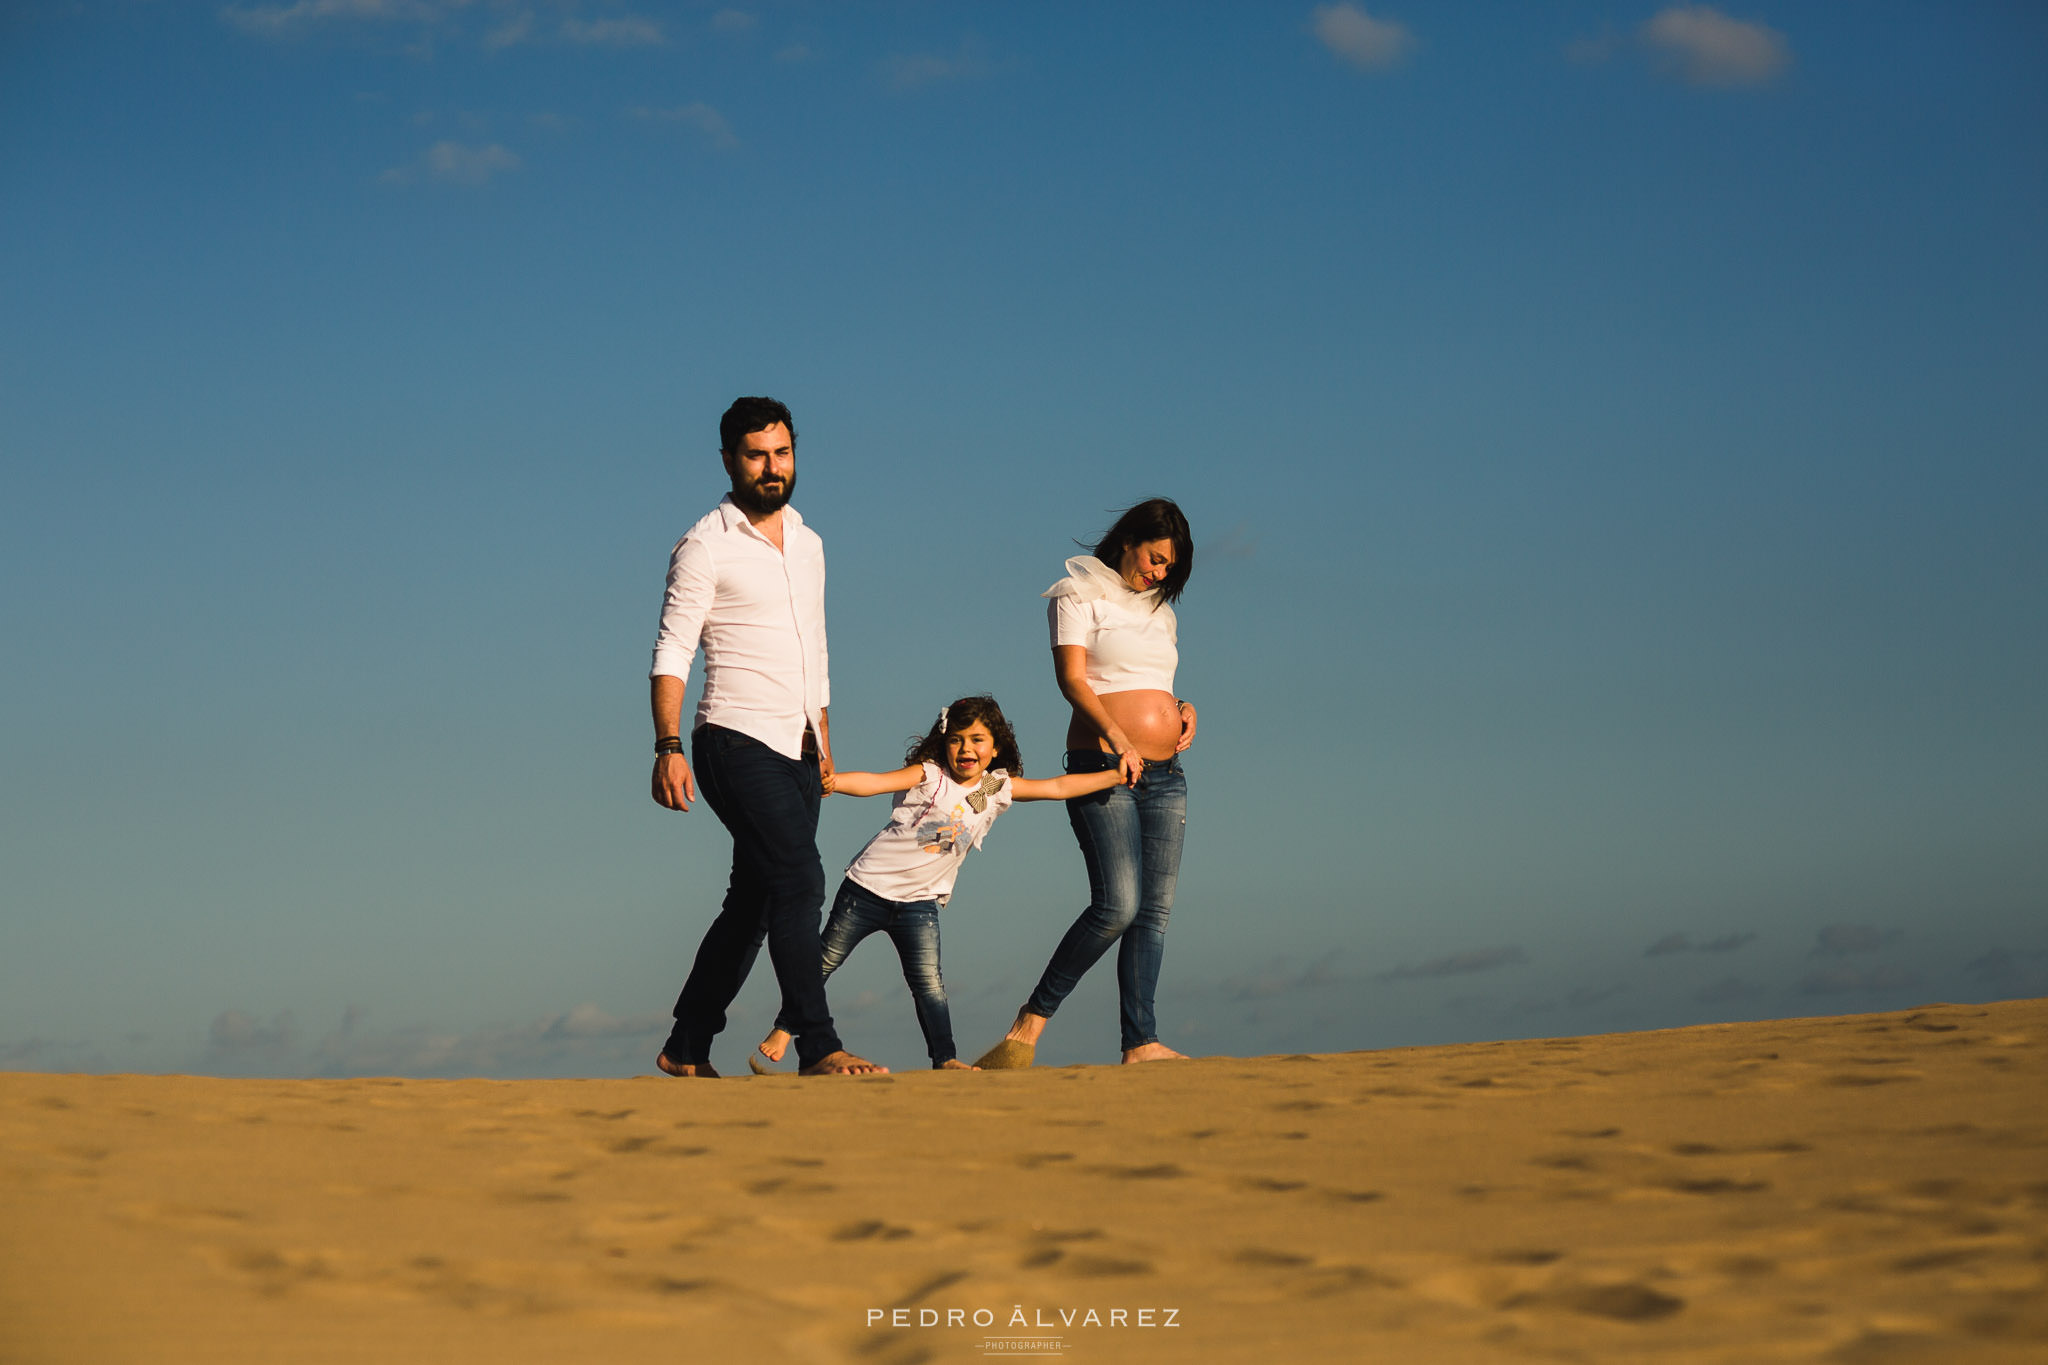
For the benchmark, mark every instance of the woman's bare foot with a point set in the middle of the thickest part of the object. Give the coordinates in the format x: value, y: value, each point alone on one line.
x: 1027, y: 1028
x: 1153, y: 1052
x: 954, y: 1064
x: 685, y: 1068
x: 775, y: 1045
x: 842, y: 1064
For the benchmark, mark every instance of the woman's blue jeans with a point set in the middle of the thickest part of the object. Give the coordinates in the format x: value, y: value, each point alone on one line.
x: 1130, y: 838
x: 913, y: 926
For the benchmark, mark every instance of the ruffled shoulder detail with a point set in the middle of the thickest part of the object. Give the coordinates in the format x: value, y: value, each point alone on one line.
x: 1088, y: 580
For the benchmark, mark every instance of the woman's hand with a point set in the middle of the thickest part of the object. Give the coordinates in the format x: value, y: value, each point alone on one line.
x: 1187, y: 725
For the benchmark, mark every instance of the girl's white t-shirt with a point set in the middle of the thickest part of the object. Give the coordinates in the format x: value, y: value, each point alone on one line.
x: 918, y: 853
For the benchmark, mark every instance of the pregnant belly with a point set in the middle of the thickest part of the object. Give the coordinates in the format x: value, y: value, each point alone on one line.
x: 1150, y: 718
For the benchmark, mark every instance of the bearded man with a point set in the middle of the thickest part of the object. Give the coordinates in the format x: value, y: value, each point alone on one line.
x: 747, y: 583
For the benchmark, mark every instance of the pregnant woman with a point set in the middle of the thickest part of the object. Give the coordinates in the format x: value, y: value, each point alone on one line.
x: 1114, y: 651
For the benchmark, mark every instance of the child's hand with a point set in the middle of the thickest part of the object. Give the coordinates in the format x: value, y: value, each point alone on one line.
x: 827, y: 780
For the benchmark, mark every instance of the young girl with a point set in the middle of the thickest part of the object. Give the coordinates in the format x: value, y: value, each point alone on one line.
x: 959, y: 776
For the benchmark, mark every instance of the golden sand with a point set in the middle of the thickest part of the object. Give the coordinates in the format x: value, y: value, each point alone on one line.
x: 1871, y: 1188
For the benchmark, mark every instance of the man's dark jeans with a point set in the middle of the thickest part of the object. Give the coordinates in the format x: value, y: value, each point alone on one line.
x: 769, y: 804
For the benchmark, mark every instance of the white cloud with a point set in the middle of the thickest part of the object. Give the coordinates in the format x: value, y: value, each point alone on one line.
x: 697, y: 115
x: 279, y: 20
x: 2015, y: 974
x: 733, y: 21
x: 1842, y: 979
x: 1279, y: 978
x: 1460, y: 964
x: 1706, y: 47
x: 795, y: 52
x: 1683, y: 943
x: 236, y: 1037
x: 915, y: 70
x: 494, y: 27
x: 518, y: 29
x: 1365, y: 42
x: 630, y: 31
x: 455, y: 163
x: 585, y: 1039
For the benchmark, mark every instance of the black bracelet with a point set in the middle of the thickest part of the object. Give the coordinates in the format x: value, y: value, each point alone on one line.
x: 669, y: 744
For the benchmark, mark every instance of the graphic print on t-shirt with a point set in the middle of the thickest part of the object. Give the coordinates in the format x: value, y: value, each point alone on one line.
x: 937, y: 835
x: 942, y: 836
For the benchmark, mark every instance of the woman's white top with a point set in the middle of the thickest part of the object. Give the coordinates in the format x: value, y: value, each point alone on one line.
x: 1131, y: 637
x: 918, y: 853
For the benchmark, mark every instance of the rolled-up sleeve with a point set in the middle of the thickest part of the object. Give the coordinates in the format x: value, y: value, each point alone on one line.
x: 692, y: 578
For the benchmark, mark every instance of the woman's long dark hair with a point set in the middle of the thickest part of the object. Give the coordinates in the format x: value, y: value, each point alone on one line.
x: 930, y: 747
x: 1152, y: 519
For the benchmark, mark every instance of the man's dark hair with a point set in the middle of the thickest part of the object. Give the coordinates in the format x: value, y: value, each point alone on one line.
x: 1152, y: 519
x: 752, y: 414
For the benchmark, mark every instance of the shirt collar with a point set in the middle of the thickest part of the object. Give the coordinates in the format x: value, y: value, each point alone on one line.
x: 734, y: 519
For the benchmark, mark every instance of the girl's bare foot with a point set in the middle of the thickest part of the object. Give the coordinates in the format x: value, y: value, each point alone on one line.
x: 955, y: 1064
x: 685, y: 1068
x: 1153, y: 1052
x: 842, y: 1064
x: 775, y: 1045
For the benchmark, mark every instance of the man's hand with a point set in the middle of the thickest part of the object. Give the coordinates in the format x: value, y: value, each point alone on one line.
x: 1187, y: 727
x: 674, y: 784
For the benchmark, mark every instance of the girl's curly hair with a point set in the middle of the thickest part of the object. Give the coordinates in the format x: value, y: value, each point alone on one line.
x: 930, y: 747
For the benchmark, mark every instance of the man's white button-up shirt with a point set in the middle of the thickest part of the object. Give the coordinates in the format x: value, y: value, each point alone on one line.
x: 759, y: 613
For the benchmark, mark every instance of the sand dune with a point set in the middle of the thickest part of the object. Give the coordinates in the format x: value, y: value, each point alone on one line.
x: 1871, y: 1188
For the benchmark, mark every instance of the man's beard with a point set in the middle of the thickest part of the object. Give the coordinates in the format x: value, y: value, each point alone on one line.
x: 751, y: 499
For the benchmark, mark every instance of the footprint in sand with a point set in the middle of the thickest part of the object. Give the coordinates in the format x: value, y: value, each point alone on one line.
x: 1031, y: 1161
x: 1162, y: 1171
x: 867, y: 1228
x: 1621, y: 1302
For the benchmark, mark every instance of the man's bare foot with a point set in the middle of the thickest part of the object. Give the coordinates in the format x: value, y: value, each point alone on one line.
x: 842, y: 1064
x: 954, y: 1064
x: 685, y: 1068
x: 1153, y: 1052
x: 775, y: 1045
x: 1027, y: 1028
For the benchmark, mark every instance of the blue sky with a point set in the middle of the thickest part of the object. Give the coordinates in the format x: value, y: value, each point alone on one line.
x: 1613, y: 432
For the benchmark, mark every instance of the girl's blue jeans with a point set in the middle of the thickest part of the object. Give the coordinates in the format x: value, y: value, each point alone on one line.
x: 1130, y: 838
x: 913, y: 926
